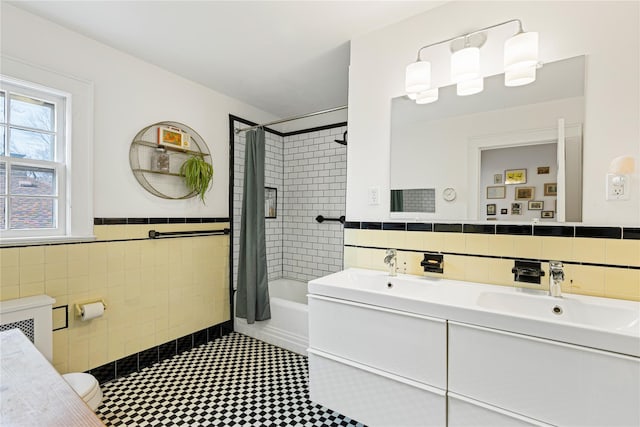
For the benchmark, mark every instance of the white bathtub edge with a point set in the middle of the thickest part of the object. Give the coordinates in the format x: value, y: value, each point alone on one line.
x: 276, y: 336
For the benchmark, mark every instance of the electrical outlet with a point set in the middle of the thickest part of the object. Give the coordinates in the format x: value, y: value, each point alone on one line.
x: 617, y: 187
x: 374, y: 196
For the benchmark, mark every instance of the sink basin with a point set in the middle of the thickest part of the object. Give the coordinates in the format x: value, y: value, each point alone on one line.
x: 600, y: 323
x: 565, y: 309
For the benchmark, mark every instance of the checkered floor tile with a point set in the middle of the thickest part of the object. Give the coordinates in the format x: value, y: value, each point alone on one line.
x: 235, y: 380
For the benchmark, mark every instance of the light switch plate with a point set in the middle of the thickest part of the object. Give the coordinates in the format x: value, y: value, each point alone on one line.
x: 374, y: 195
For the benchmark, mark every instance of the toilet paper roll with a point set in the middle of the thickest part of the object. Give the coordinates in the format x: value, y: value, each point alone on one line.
x: 91, y: 311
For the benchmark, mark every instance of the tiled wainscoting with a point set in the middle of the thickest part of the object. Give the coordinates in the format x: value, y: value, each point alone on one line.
x: 156, y: 290
x: 598, y: 261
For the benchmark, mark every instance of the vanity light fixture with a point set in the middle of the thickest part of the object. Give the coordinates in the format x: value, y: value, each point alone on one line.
x: 520, y: 62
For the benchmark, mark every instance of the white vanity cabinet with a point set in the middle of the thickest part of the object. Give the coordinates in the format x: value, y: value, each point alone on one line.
x: 377, y: 365
x: 547, y: 381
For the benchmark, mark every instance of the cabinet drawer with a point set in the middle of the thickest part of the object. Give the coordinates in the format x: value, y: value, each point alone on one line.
x: 557, y: 383
x: 465, y: 412
x: 404, y: 344
x: 373, y: 397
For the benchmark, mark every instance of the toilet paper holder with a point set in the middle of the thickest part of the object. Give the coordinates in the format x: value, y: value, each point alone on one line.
x: 79, y: 305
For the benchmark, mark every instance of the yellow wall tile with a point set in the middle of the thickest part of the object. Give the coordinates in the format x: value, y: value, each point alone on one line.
x: 78, y: 253
x: 55, y: 254
x: 56, y: 287
x: 453, y: 242
x: 622, y: 283
x: 101, y: 232
x: 433, y: 242
x: 587, y: 280
x: 59, y: 319
x: 32, y: 255
x: 9, y: 275
x: 501, y: 245
x: 376, y: 238
x: 396, y: 239
x: 454, y: 267
x: 350, y: 257
x: 31, y: 273
x: 500, y: 271
x: 589, y: 250
x: 622, y: 252
x: 476, y: 243
x: 527, y: 247
x: 476, y: 269
x: 557, y: 248
x: 55, y: 271
x: 77, y: 268
x: 31, y: 289
x: 9, y: 292
x: 414, y: 240
x: 350, y: 236
x: 60, y: 346
x: 9, y: 257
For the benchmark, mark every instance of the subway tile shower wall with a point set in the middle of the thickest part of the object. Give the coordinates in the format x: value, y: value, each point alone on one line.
x: 315, y: 177
x: 309, y: 172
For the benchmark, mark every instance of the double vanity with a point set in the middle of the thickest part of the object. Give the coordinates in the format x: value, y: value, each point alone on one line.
x: 408, y: 350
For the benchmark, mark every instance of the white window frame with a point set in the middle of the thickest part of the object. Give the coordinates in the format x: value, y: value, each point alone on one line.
x: 79, y: 131
x: 60, y: 163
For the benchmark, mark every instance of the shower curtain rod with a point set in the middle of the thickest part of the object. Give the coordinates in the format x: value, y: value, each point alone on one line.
x: 238, y: 130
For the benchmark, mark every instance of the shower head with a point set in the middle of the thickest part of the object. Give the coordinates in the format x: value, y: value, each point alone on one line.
x: 343, y: 141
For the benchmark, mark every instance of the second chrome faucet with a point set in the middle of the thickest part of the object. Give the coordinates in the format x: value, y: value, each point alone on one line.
x: 391, y: 259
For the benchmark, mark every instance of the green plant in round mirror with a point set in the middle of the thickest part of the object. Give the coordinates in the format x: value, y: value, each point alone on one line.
x: 198, y: 174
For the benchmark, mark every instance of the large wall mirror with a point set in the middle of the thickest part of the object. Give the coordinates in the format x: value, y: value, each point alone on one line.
x: 508, y: 153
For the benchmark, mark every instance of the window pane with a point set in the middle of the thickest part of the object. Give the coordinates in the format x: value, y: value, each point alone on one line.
x: 2, y: 133
x: 3, y: 178
x: 32, y: 113
x: 31, y: 145
x: 3, y: 219
x: 28, y: 180
x: 2, y: 119
x: 31, y: 212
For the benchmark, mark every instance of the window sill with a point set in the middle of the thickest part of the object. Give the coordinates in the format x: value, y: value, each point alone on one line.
x: 42, y: 241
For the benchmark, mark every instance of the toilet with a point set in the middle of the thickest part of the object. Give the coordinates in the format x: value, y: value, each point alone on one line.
x: 86, y: 386
x: 32, y: 315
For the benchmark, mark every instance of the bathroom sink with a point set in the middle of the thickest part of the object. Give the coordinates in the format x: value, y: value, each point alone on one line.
x: 565, y: 309
x: 600, y: 323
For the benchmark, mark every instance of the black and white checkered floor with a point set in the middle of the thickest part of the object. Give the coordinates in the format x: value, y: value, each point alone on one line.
x: 234, y: 380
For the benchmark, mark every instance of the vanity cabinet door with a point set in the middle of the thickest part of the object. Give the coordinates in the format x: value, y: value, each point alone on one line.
x: 373, y: 397
x: 400, y: 343
x: 465, y: 412
x: 557, y: 383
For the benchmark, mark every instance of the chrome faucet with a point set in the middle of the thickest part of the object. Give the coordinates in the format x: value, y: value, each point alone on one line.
x: 556, y: 277
x: 391, y: 260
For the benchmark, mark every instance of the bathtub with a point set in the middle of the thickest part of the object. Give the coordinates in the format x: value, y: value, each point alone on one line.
x: 289, y: 324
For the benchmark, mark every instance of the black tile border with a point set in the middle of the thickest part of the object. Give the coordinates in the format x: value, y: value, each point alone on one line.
x: 138, y: 361
x: 419, y: 226
x: 599, y: 232
x: 66, y: 316
x: 479, y: 228
x: 631, y: 233
x: 440, y: 227
x: 394, y: 226
x: 546, y: 230
x: 156, y: 220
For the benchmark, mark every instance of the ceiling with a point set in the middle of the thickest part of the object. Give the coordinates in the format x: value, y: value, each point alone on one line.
x: 284, y: 57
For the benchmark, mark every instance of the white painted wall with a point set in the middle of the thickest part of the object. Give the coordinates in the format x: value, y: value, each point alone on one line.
x: 595, y: 29
x: 129, y: 95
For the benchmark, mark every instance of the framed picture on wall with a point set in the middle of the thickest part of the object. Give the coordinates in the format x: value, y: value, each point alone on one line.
x: 270, y: 202
x: 546, y: 214
x: 497, y: 178
x: 515, y: 176
x: 543, y: 170
x: 504, y: 211
x: 536, y: 205
x: 525, y: 193
x: 496, y: 192
x: 491, y: 209
x: 516, y: 208
x: 551, y: 189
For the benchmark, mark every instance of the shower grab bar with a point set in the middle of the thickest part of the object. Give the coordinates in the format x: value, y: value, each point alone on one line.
x: 153, y: 234
x: 321, y: 219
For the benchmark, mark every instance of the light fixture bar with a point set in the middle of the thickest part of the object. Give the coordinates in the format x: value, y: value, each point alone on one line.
x: 449, y: 40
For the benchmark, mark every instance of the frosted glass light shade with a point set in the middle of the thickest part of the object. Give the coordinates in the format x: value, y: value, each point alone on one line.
x: 520, y: 77
x: 465, y: 64
x: 427, y: 97
x: 623, y: 165
x: 521, y: 51
x: 418, y: 77
x: 470, y: 87
x: 412, y: 96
